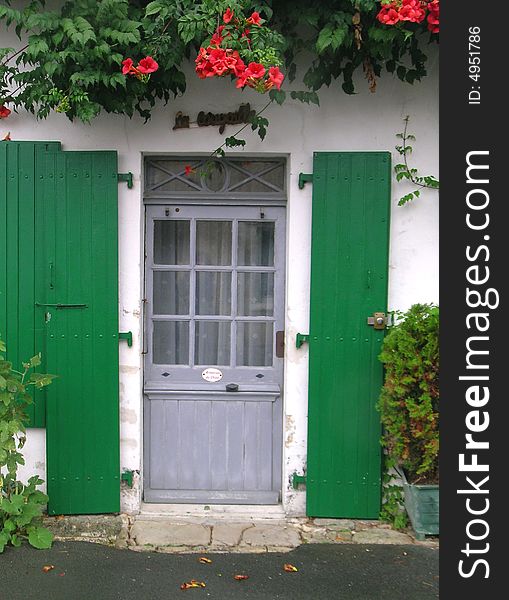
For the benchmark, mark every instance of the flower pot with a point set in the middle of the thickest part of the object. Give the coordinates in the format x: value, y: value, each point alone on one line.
x: 422, y: 506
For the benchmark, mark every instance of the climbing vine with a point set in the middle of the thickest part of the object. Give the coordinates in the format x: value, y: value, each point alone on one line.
x: 70, y: 59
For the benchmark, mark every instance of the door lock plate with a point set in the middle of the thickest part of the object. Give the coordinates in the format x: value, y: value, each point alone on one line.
x: 379, y: 320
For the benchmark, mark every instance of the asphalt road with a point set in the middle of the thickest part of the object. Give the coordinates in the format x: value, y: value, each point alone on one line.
x: 86, y: 571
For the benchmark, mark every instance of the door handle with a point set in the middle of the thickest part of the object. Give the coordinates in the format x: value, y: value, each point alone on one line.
x: 232, y: 387
x: 59, y: 305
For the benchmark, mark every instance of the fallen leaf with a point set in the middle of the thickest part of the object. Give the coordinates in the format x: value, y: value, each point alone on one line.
x: 289, y: 568
x: 48, y: 568
x: 204, y: 560
x: 240, y: 577
x: 192, y: 584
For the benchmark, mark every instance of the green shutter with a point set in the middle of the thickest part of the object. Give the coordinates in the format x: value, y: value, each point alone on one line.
x: 77, y: 219
x: 350, y: 235
x: 18, y: 190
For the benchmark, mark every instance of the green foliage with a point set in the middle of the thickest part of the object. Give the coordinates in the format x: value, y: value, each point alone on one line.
x: 21, y: 504
x: 72, y: 58
x: 403, y: 170
x: 393, y: 509
x: 409, y: 401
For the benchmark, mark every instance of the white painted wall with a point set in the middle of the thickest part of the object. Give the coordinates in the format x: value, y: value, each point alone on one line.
x: 361, y: 122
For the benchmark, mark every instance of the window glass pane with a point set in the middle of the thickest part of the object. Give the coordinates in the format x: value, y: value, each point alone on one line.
x: 171, y: 242
x: 212, y: 343
x: 256, y: 244
x: 255, y: 294
x: 214, y: 243
x: 213, y: 293
x: 254, y: 344
x: 171, y: 293
x: 171, y: 343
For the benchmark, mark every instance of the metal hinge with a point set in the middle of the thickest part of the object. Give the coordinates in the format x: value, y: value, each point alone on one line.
x: 126, y: 335
x: 300, y: 338
x: 128, y: 177
x: 298, y: 480
x: 127, y: 476
x: 305, y: 178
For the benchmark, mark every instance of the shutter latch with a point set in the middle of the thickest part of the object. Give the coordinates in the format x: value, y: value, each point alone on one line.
x: 380, y: 320
x: 305, y: 178
x: 300, y: 338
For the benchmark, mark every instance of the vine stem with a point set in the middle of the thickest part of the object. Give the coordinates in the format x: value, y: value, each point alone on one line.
x: 240, y: 130
x: 404, y: 152
x: 8, y: 58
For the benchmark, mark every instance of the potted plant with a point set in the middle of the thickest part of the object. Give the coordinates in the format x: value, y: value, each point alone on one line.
x: 409, y: 408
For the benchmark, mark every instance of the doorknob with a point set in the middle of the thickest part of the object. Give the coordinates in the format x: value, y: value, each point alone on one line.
x: 232, y: 387
x: 379, y: 320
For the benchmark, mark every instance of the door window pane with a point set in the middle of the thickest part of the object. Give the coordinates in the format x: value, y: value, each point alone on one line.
x: 254, y: 344
x: 255, y: 294
x: 212, y: 343
x: 213, y: 293
x: 256, y: 244
x: 214, y: 243
x: 171, y: 293
x: 171, y: 242
x: 171, y: 342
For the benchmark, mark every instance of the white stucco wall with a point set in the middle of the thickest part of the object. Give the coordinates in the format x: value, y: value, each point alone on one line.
x: 361, y: 122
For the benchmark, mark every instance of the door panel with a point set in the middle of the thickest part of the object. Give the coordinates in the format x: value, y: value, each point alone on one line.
x: 215, y: 281
x: 350, y: 240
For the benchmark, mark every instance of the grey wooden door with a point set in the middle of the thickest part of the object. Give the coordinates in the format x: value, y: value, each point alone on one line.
x: 214, y: 366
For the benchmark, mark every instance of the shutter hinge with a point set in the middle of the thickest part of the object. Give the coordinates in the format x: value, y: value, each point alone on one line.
x: 128, y: 177
x: 305, y: 178
x: 127, y: 476
x: 126, y: 335
x: 298, y: 480
x: 300, y: 338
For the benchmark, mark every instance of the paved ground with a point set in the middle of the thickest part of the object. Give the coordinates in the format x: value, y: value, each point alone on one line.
x: 85, y: 571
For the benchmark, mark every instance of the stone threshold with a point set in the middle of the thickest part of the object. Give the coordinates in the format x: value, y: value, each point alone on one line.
x: 171, y: 534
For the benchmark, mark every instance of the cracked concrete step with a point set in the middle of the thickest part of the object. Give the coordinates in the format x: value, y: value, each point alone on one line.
x: 160, y: 533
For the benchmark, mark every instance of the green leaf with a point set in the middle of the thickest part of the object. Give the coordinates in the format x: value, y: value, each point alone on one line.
x: 40, y: 537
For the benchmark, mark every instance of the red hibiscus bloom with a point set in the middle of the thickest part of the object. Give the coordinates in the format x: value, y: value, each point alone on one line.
x: 147, y: 65
x: 388, y: 15
x: 4, y: 112
x: 254, y: 19
x: 228, y: 15
x: 276, y: 77
x: 255, y: 70
x: 127, y: 66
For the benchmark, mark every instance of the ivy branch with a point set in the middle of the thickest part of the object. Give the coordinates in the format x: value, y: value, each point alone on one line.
x: 404, y: 171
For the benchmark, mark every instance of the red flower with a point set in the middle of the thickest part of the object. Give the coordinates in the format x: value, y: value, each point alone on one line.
x: 255, y: 70
x: 276, y: 77
x: 147, y: 65
x: 127, y: 66
x: 254, y: 19
x: 388, y: 15
x: 4, y: 112
x: 228, y: 15
x: 188, y: 169
x: 434, y: 16
x: 412, y: 11
x: 242, y: 80
x: 216, y: 40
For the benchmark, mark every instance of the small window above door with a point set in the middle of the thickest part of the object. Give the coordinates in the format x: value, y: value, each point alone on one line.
x: 232, y: 177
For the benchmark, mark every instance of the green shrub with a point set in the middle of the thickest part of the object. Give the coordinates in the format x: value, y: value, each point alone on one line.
x: 21, y: 505
x: 409, y: 402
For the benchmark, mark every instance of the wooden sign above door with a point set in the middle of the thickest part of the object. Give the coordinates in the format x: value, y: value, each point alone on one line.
x: 205, y: 119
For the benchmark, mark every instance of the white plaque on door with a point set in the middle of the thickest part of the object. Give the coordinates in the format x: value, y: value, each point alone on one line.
x: 212, y: 375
